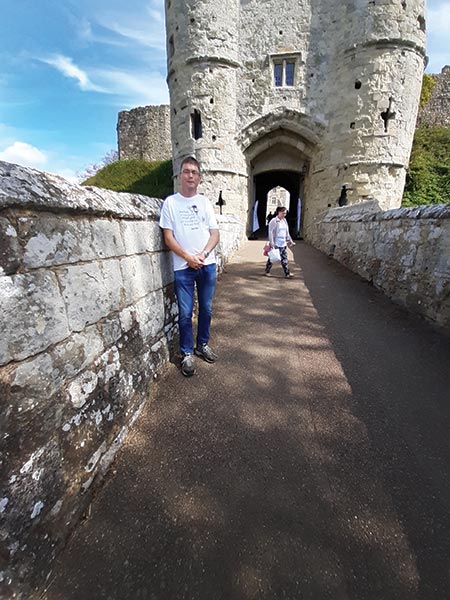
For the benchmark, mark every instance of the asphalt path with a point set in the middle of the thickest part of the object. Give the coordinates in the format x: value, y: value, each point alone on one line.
x: 311, y: 462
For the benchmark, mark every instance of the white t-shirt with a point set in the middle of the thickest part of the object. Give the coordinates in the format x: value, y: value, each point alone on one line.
x: 282, y: 233
x: 190, y: 219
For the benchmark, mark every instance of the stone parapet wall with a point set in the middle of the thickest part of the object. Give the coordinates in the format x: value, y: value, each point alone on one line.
x: 232, y: 234
x: 87, y: 320
x: 404, y: 252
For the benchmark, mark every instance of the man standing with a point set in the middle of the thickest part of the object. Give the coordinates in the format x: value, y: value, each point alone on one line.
x: 191, y: 233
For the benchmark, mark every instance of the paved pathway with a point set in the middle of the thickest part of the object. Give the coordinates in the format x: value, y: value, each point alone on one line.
x: 311, y: 462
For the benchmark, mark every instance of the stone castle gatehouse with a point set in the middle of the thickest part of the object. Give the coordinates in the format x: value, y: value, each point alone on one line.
x: 318, y: 99
x: 311, y: 95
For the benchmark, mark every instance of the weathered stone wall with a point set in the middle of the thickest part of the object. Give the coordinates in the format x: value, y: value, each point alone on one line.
x: 144, y: 133
x: 436, y: 112
x: 87, y: 321
x: 203, y: 62
x: 347, y: 117
x: 404, y: 252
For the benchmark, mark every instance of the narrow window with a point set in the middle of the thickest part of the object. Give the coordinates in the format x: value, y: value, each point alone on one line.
x: 283, y: 73
x: 196, y: 124
x: 421, y: 21
x: 171, y: 47
x: 278, y: 74
x: 289, y: 73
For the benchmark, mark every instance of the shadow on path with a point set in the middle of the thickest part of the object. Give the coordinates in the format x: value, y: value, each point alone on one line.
x: 309, y: 463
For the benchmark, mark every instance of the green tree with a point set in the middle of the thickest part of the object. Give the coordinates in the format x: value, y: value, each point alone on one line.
x: 428, y: 176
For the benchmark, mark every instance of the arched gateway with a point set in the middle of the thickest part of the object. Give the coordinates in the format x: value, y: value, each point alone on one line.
x: 311, y: 95
x: 278, y: 149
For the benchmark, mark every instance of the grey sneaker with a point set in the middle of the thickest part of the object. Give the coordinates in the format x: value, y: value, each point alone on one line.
x: 206, y: 353
x: 188, y: 365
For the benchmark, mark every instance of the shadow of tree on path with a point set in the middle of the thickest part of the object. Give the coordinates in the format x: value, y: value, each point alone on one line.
x: 304, y: 464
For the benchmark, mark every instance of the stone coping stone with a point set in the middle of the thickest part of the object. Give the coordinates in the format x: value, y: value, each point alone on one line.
x: 368, y: 212
x: 22, y: 187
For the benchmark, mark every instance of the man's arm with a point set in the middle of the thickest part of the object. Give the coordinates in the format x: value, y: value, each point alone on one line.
x: 214, y: 238
x: 195, y: 261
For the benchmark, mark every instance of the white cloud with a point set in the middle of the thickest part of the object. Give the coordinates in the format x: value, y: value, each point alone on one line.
x: 65, y: 172
x: 87, y: 33
x: 146, y: 30
x: 135, y: 35
x: 66, y: 66
x: 134, y: 89
x: 24, y: 154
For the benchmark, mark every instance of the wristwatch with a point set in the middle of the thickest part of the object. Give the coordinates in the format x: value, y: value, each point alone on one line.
x: 206, y: 253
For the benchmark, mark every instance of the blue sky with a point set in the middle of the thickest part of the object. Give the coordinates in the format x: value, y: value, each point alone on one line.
x: 67, y: 67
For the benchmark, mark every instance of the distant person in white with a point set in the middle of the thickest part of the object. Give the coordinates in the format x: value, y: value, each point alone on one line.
x: 279, y: 237
x: 191, y: 232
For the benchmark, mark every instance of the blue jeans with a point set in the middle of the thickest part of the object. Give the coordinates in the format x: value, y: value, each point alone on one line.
x: 185, y: 282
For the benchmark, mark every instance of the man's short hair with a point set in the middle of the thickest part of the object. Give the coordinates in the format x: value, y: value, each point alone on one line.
x: 190, y: 160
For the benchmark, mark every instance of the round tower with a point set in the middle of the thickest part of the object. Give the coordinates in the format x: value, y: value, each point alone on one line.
x: 373, y: 90
x: 202, y: 55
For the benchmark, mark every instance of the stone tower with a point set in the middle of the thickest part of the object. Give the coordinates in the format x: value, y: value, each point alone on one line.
x: 309, y: 95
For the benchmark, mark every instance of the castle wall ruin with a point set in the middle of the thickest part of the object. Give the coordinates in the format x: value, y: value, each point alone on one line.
x: 144, y: 133
x: 436, y: 112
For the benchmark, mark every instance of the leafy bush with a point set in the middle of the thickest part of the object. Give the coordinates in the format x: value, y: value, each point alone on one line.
x: 428, y: 83
x: 428, y: 176
x: 135, y: 176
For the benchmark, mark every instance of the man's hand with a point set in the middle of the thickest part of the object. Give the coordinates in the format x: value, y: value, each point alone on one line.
x: 196, y: 261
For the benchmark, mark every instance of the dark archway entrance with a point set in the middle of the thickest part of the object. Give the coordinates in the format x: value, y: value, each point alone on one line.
x: 263, y: 183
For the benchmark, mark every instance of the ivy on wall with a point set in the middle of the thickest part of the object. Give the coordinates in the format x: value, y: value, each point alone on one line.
x: 428, y: 83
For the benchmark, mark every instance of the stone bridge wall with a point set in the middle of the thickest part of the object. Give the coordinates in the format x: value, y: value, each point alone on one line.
x: 404, y: 252
x: 87, y: 321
